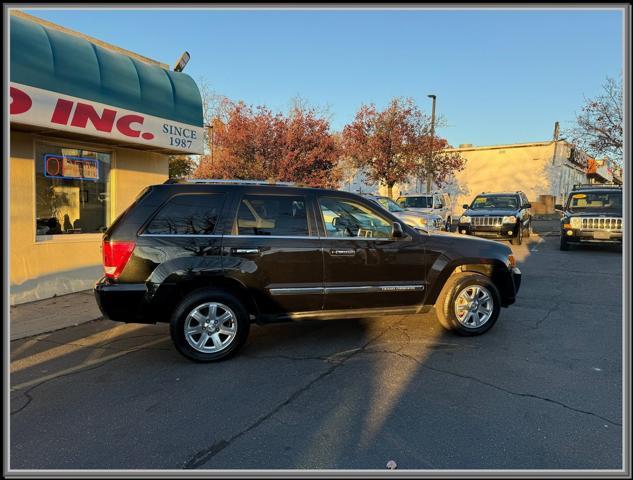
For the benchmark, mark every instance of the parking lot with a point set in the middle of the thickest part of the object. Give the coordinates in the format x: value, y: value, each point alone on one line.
x: 542, y: 389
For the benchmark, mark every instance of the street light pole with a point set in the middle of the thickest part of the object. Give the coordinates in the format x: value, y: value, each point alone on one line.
x: 429, y: 161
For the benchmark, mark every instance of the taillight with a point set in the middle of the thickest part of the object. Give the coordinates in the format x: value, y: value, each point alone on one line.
x: 115, y: 257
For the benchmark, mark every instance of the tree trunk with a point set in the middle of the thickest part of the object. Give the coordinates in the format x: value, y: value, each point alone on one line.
x: 390, y: 190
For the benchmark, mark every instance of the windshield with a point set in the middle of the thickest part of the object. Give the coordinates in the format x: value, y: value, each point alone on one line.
x: 602, y: 201
x: 505, y: 202
x: 416, y: 202
x: 389, y: 204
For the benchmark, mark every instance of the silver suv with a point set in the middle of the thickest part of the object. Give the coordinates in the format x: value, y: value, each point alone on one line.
x: 430, y: 203
x: 425, y: 221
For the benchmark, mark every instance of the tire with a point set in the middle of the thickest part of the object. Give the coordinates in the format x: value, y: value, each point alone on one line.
x: 223, y: 339
x: 449, y: 299
x: 449, y: 224
x: 564, y: 245
x: 519, y: 238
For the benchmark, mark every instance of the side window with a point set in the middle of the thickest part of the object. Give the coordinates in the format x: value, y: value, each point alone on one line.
x: 279, y: 215
x: 346, y: 218
x: 195, y: 214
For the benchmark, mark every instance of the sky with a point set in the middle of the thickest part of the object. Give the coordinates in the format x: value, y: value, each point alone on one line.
x: 500, y: 76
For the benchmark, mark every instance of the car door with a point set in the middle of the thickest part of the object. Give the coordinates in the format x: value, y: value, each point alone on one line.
x: 274, y: 250
x: 364, y: 265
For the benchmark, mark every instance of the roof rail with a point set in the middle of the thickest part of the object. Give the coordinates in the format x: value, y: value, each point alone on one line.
x: 230, y: 181
x: 579, y: 186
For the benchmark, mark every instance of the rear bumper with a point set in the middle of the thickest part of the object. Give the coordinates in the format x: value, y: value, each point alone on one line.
x: 125, y: 302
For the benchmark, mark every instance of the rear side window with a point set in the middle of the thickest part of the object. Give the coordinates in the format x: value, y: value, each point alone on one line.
x: 188, y: 215
x: 277, y: 215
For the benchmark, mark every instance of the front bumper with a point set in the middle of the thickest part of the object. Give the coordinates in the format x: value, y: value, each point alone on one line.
x: 591, y: 236
x: 509, y: 290
x: 497, y: 231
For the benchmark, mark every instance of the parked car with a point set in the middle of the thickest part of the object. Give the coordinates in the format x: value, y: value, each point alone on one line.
x: 430, y: 203
x: 425, y: 221
x: 592, y: 214
x: 210, y: 257
x: 502, y: 215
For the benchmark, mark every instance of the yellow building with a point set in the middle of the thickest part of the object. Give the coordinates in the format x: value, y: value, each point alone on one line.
x: 544, y: 171
x: 539, y: 169
x: 91, y: 125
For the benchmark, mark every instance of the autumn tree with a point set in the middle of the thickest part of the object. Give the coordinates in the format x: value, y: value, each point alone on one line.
x: 598, y: 129
x: 181, y: 166
x: 441, y: 164
x: 393, y: 145
x: 256, y: 143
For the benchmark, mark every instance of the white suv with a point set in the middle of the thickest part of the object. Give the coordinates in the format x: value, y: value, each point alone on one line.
x: 431, y: 203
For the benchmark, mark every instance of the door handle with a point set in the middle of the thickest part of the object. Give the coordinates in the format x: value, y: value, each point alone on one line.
x: 342, y: 251
x: 245, y: 250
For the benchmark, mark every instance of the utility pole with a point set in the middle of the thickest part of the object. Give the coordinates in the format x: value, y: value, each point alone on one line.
x: 429, y: 161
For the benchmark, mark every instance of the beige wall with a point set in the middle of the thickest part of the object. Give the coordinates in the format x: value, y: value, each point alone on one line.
x: 70, y: 263
x: 531, y: 168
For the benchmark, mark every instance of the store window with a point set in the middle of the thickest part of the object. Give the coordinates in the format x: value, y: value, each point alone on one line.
x: 72, y: 189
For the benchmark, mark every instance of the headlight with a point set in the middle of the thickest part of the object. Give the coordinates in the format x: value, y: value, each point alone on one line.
x: 510, y: 219
x: 575, y: 222
x: 464, y: 219
x: 422, y: 221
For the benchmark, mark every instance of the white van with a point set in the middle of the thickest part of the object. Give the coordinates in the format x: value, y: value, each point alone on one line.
x: 432, y: 203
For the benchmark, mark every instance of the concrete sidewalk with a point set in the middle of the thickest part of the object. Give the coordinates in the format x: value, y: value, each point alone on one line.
x: 42, y: 316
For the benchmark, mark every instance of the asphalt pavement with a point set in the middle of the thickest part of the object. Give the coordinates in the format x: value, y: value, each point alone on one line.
x: 542, y: 389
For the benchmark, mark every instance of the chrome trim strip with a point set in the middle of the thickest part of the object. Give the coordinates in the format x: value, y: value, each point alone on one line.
x: 263, y: 237
x: 354, y: 313
x: 183, y: 235
x: 296, y: 290
x: 375, y: 288
x: 350, y: 289
x: 295, y: 237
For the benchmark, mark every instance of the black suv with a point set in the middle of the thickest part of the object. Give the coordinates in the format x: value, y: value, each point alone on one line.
x: 505, y: 216
x: 210, y: 257
x: 592, y: 214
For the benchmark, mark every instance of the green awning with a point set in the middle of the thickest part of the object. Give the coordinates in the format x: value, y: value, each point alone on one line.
x: 52, y: 60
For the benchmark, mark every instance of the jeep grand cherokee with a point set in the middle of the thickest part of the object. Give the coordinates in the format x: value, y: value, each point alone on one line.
x: 592, y: 214
x: 210, y: 257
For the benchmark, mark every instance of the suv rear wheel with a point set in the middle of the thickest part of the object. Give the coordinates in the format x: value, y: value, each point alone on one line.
x: 209, y: 325
x: 469, y: 304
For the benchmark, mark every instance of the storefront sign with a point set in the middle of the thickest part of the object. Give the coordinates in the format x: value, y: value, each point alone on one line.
x: 34, y: 106
x: 61, y: 166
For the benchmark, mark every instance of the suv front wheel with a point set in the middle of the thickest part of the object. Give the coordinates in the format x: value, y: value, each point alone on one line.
x: 209, y: 325
x: 518, y: 240
x: 469, y: 304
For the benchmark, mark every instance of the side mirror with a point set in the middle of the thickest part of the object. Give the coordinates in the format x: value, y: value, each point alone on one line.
x: 465, y: 206
x: 396, y: 230
x: 439, y: 205
x: 558, y: 207
x: 528, y: 205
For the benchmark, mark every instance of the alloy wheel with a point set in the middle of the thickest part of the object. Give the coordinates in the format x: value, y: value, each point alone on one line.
x: 210, y: 327
x: 473, y: 306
